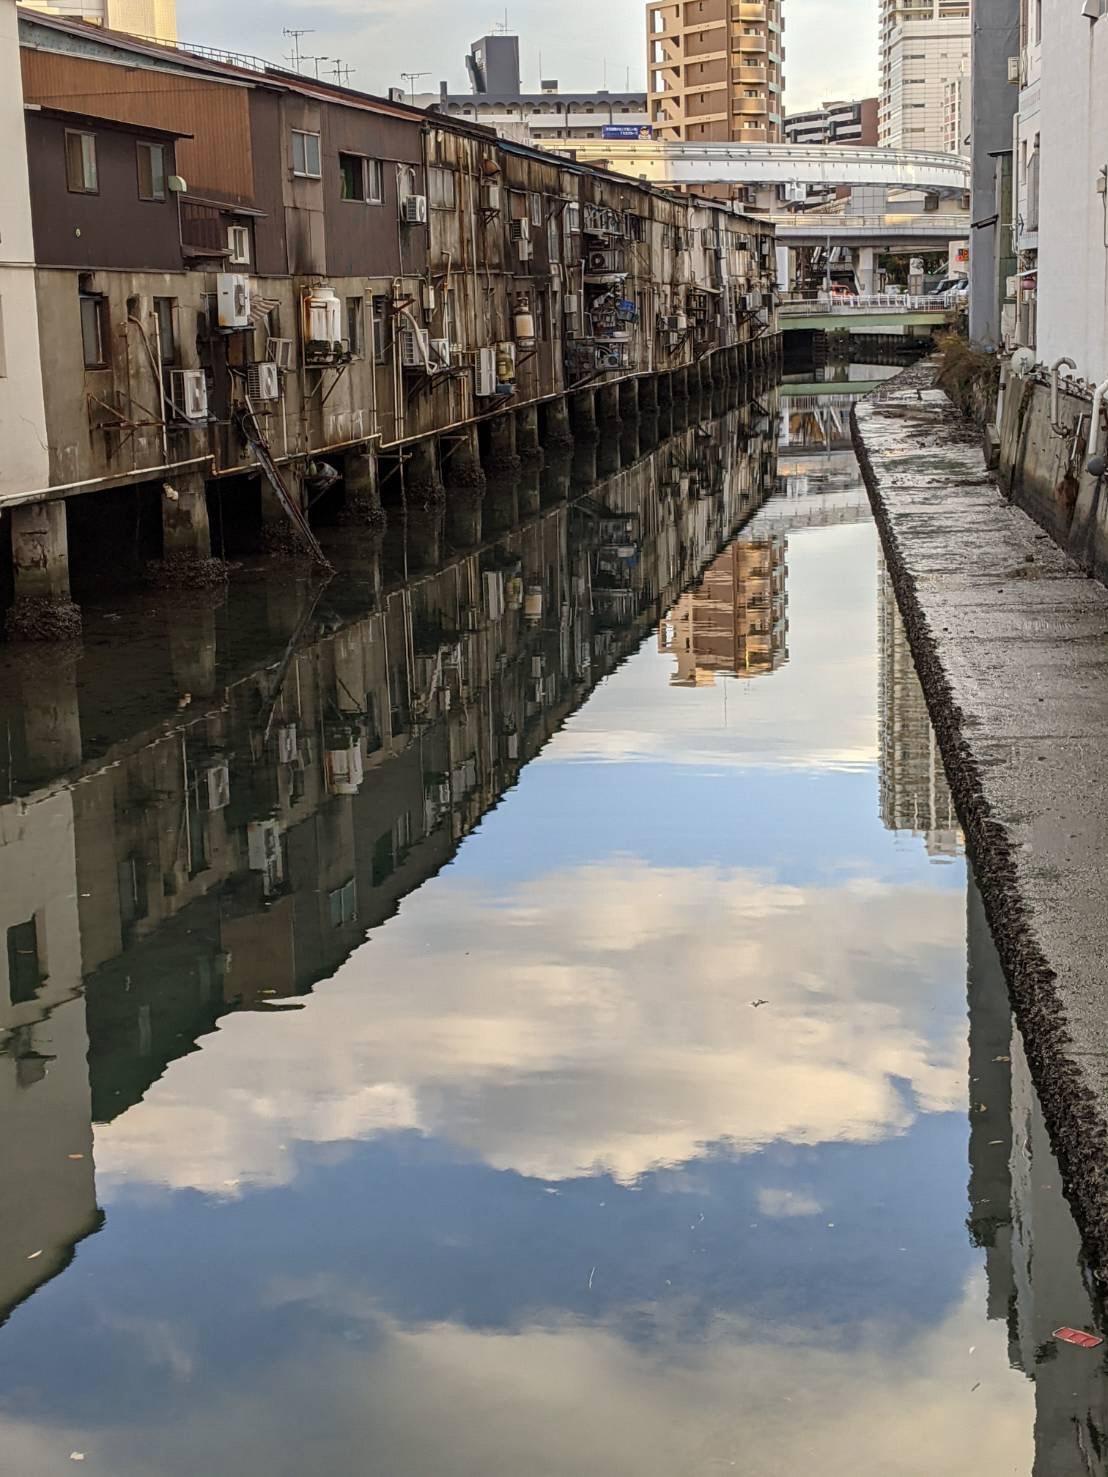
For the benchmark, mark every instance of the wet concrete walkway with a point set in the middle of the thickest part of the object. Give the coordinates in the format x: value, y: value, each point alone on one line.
x: 1011, y: 641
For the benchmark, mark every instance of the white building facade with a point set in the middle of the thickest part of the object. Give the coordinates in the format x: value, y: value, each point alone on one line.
x: 25, y: 461
x: 925, y: 57
x: 1061, y: 182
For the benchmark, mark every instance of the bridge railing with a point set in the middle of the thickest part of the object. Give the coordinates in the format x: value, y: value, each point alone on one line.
x: 811, y: 223
x: 899, y: 302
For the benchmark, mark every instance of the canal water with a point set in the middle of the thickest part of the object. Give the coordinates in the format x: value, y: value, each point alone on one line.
x: 523, y: 1009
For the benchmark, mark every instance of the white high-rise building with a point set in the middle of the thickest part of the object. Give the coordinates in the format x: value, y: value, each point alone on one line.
x: 925, y: 55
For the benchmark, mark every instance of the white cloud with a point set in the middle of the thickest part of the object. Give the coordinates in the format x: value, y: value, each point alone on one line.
x: 578, y: 1398
x: 785, y: 1204
x: 595, y: 1018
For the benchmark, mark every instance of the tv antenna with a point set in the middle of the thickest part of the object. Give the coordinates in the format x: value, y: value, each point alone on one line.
x: 294, y: 37
x: 341, y: 73
x: 412, y: 78
x: 317, y: 60
x: 502, y: 28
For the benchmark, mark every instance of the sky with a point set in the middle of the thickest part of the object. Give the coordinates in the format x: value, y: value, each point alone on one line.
x: 831, y: 44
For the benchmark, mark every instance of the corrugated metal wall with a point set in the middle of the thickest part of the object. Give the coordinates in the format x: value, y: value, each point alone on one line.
x: 219, y: 159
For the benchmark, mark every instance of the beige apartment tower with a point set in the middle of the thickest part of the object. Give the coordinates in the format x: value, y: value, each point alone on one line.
x: 715, y: 70
x: 925, y: 58
x: 154, y: 19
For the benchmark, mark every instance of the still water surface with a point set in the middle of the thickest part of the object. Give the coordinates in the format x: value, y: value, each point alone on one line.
x: 533, y: 1019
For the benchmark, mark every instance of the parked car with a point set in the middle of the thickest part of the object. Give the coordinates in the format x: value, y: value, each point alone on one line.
x: 951, y: 285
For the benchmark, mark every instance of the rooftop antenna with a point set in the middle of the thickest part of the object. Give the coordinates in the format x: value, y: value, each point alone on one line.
x: 295, y: 36
x: 317, y: 60
x: 502, y: 27
x: 412, y: 78
x: 341, y: 73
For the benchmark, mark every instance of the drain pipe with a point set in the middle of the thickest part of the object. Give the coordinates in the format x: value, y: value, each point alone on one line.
x: 1097, y: 465
x: 1054, y: 368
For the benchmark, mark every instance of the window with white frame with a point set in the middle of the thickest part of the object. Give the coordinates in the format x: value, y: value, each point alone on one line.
x: 238, y: 245
x: 306, y: 154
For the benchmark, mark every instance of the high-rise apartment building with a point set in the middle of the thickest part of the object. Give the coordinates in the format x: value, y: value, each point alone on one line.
x: 156, y: 19
x: 715, y: 70
x: 835, y: 123
x: 735, y: 622
x: 925, y: 47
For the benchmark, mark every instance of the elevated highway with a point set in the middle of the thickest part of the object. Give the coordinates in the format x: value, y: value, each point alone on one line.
x: 693, y: 165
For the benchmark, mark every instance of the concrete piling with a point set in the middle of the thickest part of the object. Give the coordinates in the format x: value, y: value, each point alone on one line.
x: 43, y: 609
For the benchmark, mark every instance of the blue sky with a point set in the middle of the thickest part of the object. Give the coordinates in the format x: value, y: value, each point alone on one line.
x: 832, y: 44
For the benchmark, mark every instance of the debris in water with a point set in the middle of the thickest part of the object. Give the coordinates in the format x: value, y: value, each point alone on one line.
x: 757, y: 1004
x: 592, y: 1274
x: 1078, y: 1337
x: 33, y: 1255
x: 76, y: 1456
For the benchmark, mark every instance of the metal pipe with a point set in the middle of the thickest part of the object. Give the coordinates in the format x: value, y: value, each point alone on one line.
x: 1054, y: 368
x: 1095, y: 464
x: 125, y: 479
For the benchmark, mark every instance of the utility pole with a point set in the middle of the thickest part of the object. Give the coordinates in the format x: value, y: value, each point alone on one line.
x: 294, y: 37
x: 412, y: 78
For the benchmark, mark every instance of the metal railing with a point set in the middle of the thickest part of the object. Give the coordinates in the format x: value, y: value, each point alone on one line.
x: 865, y: 302
x: 822, y: 225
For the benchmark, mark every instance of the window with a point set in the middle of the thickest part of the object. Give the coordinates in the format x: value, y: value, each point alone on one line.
x: 94, y: 330
x: 344, y: 904
x: 536, y: 210
x: 238, y: 244
x: 362, y: 179
x: 440, y: 184
x: 80, y: 163
x: 24, y: 974
x: 305, y: 154
x: 380, y: 330
x: 165, y: 315
x: 355, y: 320
x: 151, y: 171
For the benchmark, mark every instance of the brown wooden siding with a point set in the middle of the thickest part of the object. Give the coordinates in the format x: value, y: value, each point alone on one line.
x: 218, y: 160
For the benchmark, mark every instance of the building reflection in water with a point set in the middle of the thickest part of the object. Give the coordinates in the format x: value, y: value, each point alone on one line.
x: 1036, y: 1275
x: 915, y: 795
x: 734, y: 623
x: 293, y: 764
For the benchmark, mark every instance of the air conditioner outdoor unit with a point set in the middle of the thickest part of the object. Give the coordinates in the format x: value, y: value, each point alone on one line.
x: 287, y: 752
x: 526, y: 250
x: 263, y: 382
x: 603, y: 261
x: 263, y: 850
x: 521, y: 229
x: 233, y: 300
x: 414, y: 351
x: 569, y: 303
x: 609, y: 359
x: 490, y: 196
x: 485, y: 381
x: 413, y: 210
x: 279, y: 351
x: 440, y: 353
x: 1013, y: 69
x: 188, y: 390
x: 215, y: 787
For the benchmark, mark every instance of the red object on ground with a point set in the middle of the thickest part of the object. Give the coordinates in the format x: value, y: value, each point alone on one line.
x: 1075, y: 1336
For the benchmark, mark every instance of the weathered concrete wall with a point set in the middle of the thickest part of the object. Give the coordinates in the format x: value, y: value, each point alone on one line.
x: 996, y: 30
x: 23, y: 454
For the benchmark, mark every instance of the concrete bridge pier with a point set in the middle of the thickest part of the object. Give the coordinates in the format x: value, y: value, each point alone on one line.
x: 43, y: 609
x: 51, y: 712
x: 423, y: 530
x: 629, y: 399
x: 529, y: 492
x: 528, y: 440
x: 422, y: 477
x: 501, y: 505
x: 557, y: 429
x: 362, y: 510
x: 186, y: 535
x: 502, y: 459
x: 585, y: 425
x: 608, y: 403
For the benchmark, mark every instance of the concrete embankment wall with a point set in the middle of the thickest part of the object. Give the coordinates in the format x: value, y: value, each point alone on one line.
x: 1041, y: 465
x: 1011, y: 644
